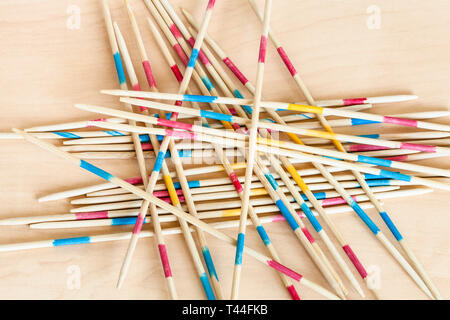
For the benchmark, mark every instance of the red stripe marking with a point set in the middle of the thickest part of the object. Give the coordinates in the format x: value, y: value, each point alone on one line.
x: 237, y: 185
x: 283, y: 269
x: 235, y: 70
x: 177, y: 73
x: 293, y: 292
x: 351, y: 255
x: 365, y: 147
x: 177, y: 103
x: 149, y: 74
x: 308, y: 235
x: 278, y: 218
x: 349, y: 102
x: 164, y: 260
x: 400, y: 121
x: 174, y: 124
x: 232, y: 111
x: 262, y: 49
x: 418, y: 147
x: 181, y: 54
x: 138, y: 226
x: 91, y: 215
x: 287, y: 61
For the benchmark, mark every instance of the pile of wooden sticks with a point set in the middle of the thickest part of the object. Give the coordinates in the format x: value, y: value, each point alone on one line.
x: 260, y: 147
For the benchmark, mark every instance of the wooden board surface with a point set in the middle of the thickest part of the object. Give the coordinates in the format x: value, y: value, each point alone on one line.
x: 47, y: 67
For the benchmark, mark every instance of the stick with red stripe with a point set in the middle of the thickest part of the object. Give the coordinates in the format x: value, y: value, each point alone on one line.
x: 161, y: 166
x: 358, y: 176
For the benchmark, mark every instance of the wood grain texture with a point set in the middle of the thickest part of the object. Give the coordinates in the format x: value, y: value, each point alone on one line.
x: 46, y: 68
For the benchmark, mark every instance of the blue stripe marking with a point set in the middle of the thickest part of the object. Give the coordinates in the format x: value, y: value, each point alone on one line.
x: 209, y: 263
x: 391, y: 226
x: 272, y: 181
x: 208, y: 84
x: 239, y: 95
x: 198, y: 98
x: 193, y: 58
x: 357, y: 122
x: 115, y: 133
x: 316, y: 225
x: 67, y: 135
x: 159, y: 161
x: 263, y: 234
x: 123, y: 221
x: 216, y: 115
x: 119, y: 68
x: 239, y: 248
x: 395, y: 175
x: 364, y: 217
x: 375, y: 161
x: 287, y: 215
x: 96, y: 170
x: 70, y: 241
x: 206, y: 124
x: 372, y: 136
x: 378, y: 183
x: 207, y: 287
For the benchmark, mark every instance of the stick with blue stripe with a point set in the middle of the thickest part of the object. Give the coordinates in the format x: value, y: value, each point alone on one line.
x: 326, y: 125
x: 191, y: 207
x: 123, y: 85
x: 160, y: 203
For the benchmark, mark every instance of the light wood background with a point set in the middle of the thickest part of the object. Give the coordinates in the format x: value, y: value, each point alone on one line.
x: 46, y: 68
